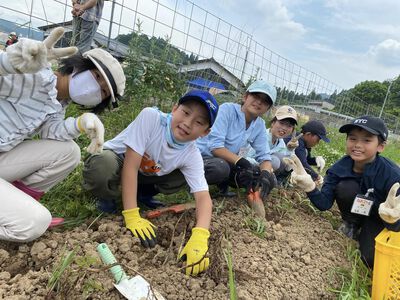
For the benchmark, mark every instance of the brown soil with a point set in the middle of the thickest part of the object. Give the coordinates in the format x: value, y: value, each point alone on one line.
x: 291, y: 258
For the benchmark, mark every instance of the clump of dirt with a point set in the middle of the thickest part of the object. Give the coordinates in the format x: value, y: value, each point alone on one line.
x: 288, y: 256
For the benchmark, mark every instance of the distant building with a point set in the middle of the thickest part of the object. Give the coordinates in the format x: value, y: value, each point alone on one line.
x: 210, y: 72
x: 321, y: 105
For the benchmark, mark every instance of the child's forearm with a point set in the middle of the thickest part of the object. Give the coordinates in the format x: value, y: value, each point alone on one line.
x: 203, y: 209
x: 129, y: 189
x: 129, y: 178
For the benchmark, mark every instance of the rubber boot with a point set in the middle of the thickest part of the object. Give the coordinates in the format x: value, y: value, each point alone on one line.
x: 256, y: 204
x: 35, y: 194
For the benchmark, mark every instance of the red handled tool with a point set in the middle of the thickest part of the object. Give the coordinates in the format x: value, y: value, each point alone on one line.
x: 178, y: 208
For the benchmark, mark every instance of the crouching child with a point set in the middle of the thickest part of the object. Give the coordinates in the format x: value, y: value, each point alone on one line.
x: 363, y: 183
x: 155, y: 154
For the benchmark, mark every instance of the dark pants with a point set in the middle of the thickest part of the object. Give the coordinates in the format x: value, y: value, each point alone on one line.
x: 102, y: 177
x: 218, y: 171
x: 371, y: 226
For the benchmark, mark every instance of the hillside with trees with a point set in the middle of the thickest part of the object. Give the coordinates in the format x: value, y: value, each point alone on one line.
x: 155, y: 47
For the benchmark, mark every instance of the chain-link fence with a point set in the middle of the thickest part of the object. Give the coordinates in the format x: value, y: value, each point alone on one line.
x: 211, y: 51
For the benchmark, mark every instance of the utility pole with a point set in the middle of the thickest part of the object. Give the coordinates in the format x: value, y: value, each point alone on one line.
x: 387, y: 94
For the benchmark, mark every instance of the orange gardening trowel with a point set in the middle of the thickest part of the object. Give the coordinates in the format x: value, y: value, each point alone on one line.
x: 177, y: 208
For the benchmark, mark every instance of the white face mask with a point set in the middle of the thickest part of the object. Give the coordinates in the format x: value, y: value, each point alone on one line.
x: 84, y: 89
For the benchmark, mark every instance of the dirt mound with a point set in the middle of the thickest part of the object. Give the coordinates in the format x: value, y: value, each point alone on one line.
x: 290, y: 256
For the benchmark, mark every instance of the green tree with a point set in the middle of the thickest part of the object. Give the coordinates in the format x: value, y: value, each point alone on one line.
x: 372, y: 92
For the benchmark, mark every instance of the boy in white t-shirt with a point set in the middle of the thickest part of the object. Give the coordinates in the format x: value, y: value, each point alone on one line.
x: 156, y: 153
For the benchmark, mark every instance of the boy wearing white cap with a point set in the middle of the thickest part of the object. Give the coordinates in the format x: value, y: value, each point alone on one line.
x: 364, y: 185
x: 33, y: 99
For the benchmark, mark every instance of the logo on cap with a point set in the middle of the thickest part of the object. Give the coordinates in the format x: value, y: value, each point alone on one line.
x: 210, y: 104
x: 362, y: 121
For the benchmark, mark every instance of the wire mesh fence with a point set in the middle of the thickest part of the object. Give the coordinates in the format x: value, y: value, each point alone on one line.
x: 209, y: 50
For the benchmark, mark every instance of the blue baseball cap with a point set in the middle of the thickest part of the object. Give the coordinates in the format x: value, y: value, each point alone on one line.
x: 261, y: 86
x: 206, y: 99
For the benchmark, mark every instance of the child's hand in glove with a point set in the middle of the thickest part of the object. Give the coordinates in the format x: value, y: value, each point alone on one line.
x: 320, y: 163
x: 90, y: 124
x: 299, y: 176
x: 195, y: 251
x: 294, y: 141
x: 29, y: 56
x: 390, y: 209
x: 141, y: 228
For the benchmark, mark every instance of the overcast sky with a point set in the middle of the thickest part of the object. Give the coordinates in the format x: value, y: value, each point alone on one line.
x: 345, y: 41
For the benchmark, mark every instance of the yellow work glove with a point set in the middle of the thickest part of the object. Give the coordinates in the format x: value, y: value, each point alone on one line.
x: 195, y: 251
x: 299, y: 176
x: 390, y: 209
x: 141, y: 228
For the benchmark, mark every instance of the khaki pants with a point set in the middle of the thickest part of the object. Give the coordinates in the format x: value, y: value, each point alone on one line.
x: 102, y: 177
x: 39, y: 164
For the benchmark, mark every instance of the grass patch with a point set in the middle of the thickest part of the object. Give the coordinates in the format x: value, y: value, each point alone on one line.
x: 356, y: 281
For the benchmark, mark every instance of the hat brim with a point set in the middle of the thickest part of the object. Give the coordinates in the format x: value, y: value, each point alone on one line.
x: 324, y: 138
x: 286, y: 117
x: 104, y: 76
x: 348, y: 127
x: 271, y: 102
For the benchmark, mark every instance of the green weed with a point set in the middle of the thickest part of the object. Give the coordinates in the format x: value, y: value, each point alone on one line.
x: 257, y: 226
x: 356, y: 281
x: 60, y: 268
x: 231, y: 274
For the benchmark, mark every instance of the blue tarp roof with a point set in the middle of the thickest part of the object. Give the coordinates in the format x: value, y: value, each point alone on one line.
x: 204, y: 83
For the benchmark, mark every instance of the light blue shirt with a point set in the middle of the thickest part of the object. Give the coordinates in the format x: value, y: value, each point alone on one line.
x: 229, y: 131
x: 278, y: 147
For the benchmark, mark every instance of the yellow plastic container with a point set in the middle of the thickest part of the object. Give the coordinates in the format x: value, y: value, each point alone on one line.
x: 386, y: 274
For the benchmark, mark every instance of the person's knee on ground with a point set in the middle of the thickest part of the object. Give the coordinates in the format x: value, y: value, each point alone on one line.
x: 24, y: 218
x: 216, y: 170
x: 101, y: 175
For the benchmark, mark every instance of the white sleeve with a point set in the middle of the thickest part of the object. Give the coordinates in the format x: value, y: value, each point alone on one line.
x: 5, y: 65
x: 139, y: 131
x: 193, y: 170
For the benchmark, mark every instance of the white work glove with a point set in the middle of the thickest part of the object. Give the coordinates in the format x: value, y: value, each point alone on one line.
x: 390, y: 209
x: 299, y: 176
x: 29, y: 56
x: 294, y: 141
x: 320, y: 163
x: 320, y: 181
x: 90, y: 124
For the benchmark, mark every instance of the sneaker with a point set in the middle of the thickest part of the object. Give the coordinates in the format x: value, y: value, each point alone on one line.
x: 106, y: 205
x: 350, y: 230
x: 150, y: 202
x: 224, y: 191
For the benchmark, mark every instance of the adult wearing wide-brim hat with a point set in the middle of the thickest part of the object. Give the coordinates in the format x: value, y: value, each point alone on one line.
x: 33, y: 99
